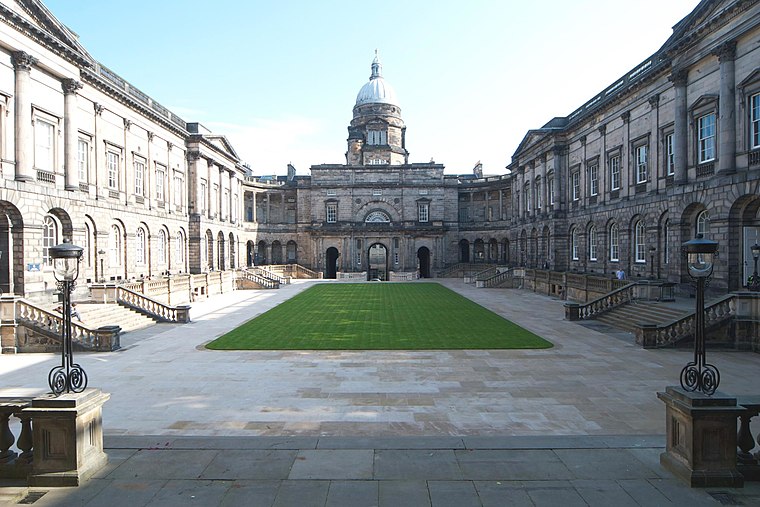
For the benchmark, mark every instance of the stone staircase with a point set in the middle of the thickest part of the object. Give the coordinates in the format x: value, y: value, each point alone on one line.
x: 628, y: 317
x: 95, y: 315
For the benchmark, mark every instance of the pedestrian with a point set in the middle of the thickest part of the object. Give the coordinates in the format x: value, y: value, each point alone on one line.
x: 620, y: 274
x: 75, y: 312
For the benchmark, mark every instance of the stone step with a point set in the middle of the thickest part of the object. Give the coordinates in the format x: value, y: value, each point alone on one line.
x: 629, y: 317
x: 98, y: 315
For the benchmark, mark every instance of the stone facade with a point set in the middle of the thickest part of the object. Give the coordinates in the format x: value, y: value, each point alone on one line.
x: 669, y: 148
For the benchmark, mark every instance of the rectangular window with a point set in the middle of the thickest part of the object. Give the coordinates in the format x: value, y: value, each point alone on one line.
x: 615, y: 172
x: 332, y: 213
x: 178, y: 184
x: 576, y: 176
x: 160, y: 179
x: 527, y: 198
x: 706, y: 137
x: 226, y: 204
x: 754, y: 108
x: 593, y: 176
x: 332, y: 192
x: 669, y: 156
x: 139, y: 177
x: 551, y: 191
x: 377, y: 191
x: 202, y: 203
x: 614, y: 245
x: 234, y: 207
x: 83, y: 160
x: 538, y: 195
x: 112, y: 164
x: 642, y: 154
x: 44, y: 145
x: 377, y: 137
x: 423, y: 211
x: 214, y: 205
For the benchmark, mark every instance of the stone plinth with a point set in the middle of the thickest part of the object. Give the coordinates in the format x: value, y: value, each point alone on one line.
x: 68, y: 437
x: 701, y: 438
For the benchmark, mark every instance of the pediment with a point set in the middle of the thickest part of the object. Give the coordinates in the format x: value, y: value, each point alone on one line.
x: 752, y: 78
x: 704, y: 100
x: 39, y: 17
x: 531, y: 138
x: 706, y: 13
x: 222, y: 144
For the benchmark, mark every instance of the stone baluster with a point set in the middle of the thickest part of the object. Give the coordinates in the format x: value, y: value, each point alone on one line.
x: 6, y: 437
x: 25, y: 439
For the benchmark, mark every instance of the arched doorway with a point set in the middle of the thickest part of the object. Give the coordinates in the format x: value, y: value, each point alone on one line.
x: 331, y: 262
x: 464, y: 251
x: 261, y: 254
x: 423, y: 258
x: 12, y: 248
x: 276, y: 252
x: 292, y: 252
x: 378, y: 262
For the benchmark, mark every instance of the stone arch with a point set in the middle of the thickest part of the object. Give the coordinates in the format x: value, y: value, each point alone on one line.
x: 261, y: 253
x: 479, y: 250
x: 743, y: 232
x: 250, y: 252
x: 63, y: 217
x: 12, y: 245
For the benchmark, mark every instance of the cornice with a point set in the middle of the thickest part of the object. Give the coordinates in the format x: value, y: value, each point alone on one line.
x: 43, y: 38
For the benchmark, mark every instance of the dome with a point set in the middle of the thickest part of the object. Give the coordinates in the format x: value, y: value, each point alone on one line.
x: 377, y: 90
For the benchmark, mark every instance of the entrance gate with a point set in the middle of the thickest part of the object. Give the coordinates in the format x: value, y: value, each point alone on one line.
x: 378, y: 262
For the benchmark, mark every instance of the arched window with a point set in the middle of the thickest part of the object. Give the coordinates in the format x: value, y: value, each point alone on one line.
x: 639, y: 242
x: 574, y: 243
x: 140, y: 246
x: 377, y: 216
x: 161, y: 247
x: 115, y: 250
x: 592, y: 243
x: 614, y: 243
x: 703, y: 224
x: 49, y: 238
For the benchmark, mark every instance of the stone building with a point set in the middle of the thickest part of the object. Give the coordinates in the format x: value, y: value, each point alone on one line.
x: 670, y: 149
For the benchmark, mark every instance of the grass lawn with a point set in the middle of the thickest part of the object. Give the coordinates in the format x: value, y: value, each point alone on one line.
x: 378, y: 316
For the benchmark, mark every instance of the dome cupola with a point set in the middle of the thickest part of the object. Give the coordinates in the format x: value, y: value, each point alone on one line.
x: 376, y: 90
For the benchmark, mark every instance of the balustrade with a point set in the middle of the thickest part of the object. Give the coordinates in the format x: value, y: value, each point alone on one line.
x: 151, y: 307
x: 14, y: 465
x: 748, y: 462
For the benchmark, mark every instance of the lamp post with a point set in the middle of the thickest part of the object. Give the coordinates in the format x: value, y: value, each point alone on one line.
x: 652, y: 250
x: 754, y: 283
x: 69, y: 376
x: 698, y: 375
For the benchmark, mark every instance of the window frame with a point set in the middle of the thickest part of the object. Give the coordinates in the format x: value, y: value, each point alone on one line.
x: 160, y: 182
x: 592, y: 237
x: 113, y: 163
x: 331, y: 212
x: 50, y: 230
x: 702, y: 224
x: 706, y: 142
x: 139, y: 169
x: 83, y: 159
x: 423, y: 212
x: 140, y: 246
x: 593, y: 178
x: 40, y: 119
x: 670, y: 164
x: 641, y: 159
x: 574, y: 250
x: 575, y: 178
x: 639, y: 242
x: 614, y: 164
x: 754, y: 121
x: 614, y: 243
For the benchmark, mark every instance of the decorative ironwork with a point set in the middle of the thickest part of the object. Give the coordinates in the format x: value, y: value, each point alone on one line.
x: 69, y: 376
x: 699, y: 375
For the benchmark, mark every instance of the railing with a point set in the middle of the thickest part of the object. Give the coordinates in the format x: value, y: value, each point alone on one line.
x: 343, y: 275
x: 49, y: 323
x: 447, y: 272
x: 282, y: 280
x: 152, y: 308
x: 267, y: 283
x: 670, y: 333
x: 12, y: 464
x: 394, y: 276
x: 498, y: 279
x: 576, y: 311
x: 298, y: 271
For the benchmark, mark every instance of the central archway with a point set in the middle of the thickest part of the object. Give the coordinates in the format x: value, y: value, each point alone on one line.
x: 378, y: 262
x: 331, y: 262
x: 423, y: 256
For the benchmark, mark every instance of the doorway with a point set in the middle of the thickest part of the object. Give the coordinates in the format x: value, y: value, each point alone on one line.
x: 378, y: 262
x: 423, y: 260
x: 331, y: 262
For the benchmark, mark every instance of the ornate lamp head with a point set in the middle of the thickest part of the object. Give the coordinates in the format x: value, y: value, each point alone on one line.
x: 700, y: 256
x: 66, y: 257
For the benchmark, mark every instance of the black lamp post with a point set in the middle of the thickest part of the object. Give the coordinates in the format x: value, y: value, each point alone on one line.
x: 69, y: 377
x: 754, y: 283
x: 652, y: 250
x: 698, y: 375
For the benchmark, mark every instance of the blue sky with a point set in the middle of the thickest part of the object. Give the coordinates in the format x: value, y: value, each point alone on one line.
x: 280, y: 78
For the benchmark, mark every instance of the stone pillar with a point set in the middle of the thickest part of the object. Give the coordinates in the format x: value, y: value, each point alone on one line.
x: 8, y: 324
x: 255, y: 219
x: 71, y: 136
x: 701, y: 438
x: 501, y: 204
x: 681, y: 127
x: 22, y: 64
x: 68, y: 438
x: 727, y: 122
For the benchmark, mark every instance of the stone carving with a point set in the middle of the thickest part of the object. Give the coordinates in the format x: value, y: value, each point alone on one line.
x: 98, y: 108
x: 679, y: 77
x: 377, y: 217
x: 23, y: 61
x: 70, y: 86
x: 127, y: 123
x: 654, y: 100
x: 726, y: 51
x: 626, y: 116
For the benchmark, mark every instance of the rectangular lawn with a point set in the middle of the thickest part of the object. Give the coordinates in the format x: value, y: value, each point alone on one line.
x: 378, y: 316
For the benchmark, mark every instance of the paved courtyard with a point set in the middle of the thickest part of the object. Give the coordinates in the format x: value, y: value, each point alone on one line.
x: 163, y: 382
x: 578, y: 424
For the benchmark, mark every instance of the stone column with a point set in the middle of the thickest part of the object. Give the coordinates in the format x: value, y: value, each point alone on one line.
x: 560, y: 184
x: 501, y: 204
x: 680, y: 128
x: 727, y: 123
x: 654, y: 144
x: 255, y: 219
x: 70, y: 88
x: 22, y: 64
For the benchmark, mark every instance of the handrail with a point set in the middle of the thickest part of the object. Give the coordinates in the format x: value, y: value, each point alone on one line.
x: 302, y: 272
x: 595, y: 307
x: 105, y: 338
x: 669, y: 333
x: 446, y: 272
x: 152, y: 308
x: 267, y: 274
x: 486, y: 273
x: 267, y: 283
x: 497, y: 279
